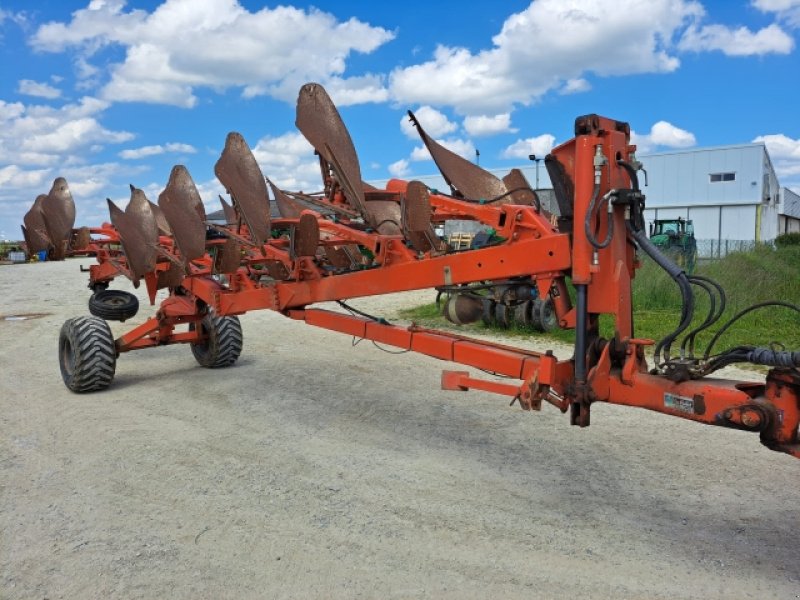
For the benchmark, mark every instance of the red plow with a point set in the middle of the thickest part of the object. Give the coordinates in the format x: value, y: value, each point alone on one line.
x: 353, y: 240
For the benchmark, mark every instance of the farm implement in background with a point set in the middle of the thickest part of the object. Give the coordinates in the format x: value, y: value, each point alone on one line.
x: 352, y: 240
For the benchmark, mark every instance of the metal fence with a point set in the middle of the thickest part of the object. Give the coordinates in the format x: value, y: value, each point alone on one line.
x: 710, y: 249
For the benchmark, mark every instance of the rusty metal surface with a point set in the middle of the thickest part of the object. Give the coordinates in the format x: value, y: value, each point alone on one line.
x: 228, y: 257
x: 58, y: 210
x: 520, y: 190
x: 35, y: 228
x: 231, y: 218
x: 183, y: 209
x: 161, y: 220
x: 385, y: 216
x: 320, y: 123
x: 305, y: 236
x: 81, y: 239
x: 416, y: 212
x: 172, y: 277
x: 287, y: 207
x: 469, y: 179
x: 133, y: 243
x: 238, y: 170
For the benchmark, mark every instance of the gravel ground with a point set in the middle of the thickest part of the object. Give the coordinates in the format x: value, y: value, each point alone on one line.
x: 318, y: 469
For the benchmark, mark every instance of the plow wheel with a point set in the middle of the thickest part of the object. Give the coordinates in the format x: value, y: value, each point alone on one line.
x: 503, y: 315
x: 223, y: 343
x: 113, y: 305
x: 86, y: 354
x: 543, y: 315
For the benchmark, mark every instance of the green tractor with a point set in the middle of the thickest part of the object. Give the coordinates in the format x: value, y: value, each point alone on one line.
x: 675, y: 238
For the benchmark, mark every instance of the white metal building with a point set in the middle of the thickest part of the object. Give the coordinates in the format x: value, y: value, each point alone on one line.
x: 729, y: 192
x: 789, y: 212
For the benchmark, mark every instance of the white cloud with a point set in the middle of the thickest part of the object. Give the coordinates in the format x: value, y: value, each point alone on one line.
x: 785, y: 154
x: 144, y: 151
x: 289, y: 161
x: 399, y: 168
x: 575, y: 86
x: 188, y: 44
x: 785, y: 10
x: 539, y: 145
x: 43, y: 135
x: 479, y: 125
x: 29, y: 87
x: 547, y: 44
x: 663, y: 134
x: 464, y: 148
x: 434, y: 123
x: 737, y: 42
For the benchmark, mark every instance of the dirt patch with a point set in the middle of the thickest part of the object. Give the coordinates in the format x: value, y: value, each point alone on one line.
x: 23, y: 316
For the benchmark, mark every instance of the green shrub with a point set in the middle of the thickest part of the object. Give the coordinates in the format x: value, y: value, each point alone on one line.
x: 788, y: 239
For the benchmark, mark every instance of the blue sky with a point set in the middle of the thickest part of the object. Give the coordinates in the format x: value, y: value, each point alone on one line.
x: 108, y: 92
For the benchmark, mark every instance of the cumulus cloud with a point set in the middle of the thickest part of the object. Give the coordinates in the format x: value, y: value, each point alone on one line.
x: 480, y: 125
x: 539, y: 145
x: 28, y: 87
x: 737, y: 42
x: 434, y: 123
x: 43, y: 135
x: 289, y: 161
x: 184, y: 45
x: 399, y: 168
x: 571, y: 39
x: 462, y: 147
x: 575, y: 86
x: 786, y: 10
x: 663, y: 134
x: 144, y: 151
x: 785, y: 154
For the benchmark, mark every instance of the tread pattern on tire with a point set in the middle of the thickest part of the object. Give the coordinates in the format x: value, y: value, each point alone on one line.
x: 87, y: 354
x: 126, y: 307
x: 223, y: 344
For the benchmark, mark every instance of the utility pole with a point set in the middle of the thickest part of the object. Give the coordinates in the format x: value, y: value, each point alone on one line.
x: 477, y: 157
x: 537, y: 160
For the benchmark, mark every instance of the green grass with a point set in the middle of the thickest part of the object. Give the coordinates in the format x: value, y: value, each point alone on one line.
x: 747, y: 278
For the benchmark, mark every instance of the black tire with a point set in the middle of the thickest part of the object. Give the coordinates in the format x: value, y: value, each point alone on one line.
x: 113, y: 305
x: 546, y: 317
x: 503, y: 315
x: 488, y: 312
x: 522, y: 313
x: 86, y: 354
x: 223, y: 343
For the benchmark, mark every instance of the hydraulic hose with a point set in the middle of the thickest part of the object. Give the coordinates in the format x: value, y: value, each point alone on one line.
x: 678, y: 275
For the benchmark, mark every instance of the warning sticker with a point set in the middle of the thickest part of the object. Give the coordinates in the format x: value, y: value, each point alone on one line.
x: 680, y: 403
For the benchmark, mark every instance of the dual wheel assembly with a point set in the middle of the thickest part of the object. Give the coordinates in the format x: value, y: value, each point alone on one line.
x: 87, y: 352
x: 537, y: 313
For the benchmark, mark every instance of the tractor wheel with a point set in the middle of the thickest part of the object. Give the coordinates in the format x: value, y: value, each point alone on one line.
x: 522, y: 313
x: 113, y: 305
x: 86, y: 354
x: 223, y: 343
x: 488, y: 315
x: 503, y: 314
x: 546, y: 317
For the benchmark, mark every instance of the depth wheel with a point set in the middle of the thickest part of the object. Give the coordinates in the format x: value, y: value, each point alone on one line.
x: 522, y: 313
x: 86, y: 354
x: 113, y: 305
x: 503, y: 315
x: 548, y: 320
x: 223, y: 343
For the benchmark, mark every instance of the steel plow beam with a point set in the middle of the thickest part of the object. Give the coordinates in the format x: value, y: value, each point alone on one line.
x: 183, y: 209
x: 58, y: 210
x: 239, y: 172
x: 320, y: 123
x: 469, y: 179
x: 35, y: 229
